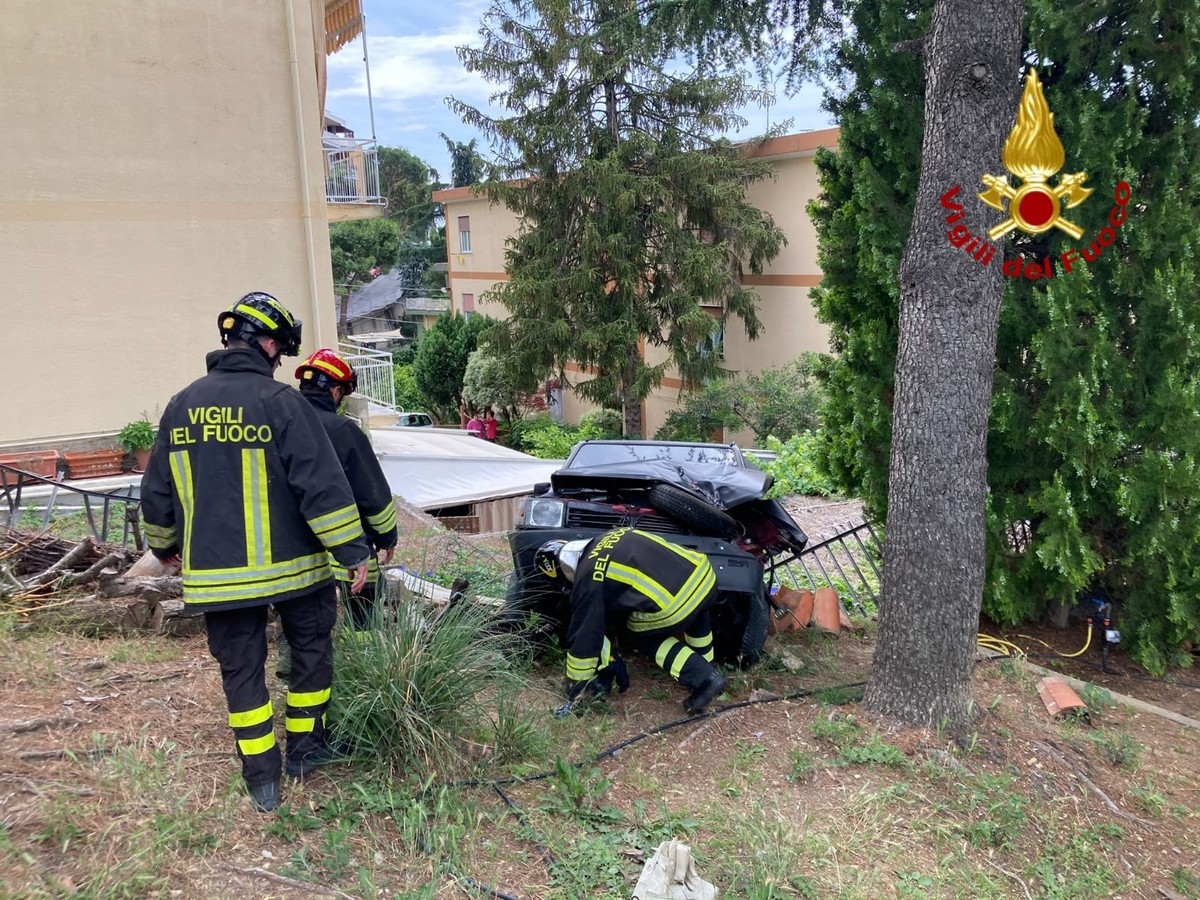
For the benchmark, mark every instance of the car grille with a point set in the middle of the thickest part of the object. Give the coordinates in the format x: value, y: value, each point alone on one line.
x: 603, y: 520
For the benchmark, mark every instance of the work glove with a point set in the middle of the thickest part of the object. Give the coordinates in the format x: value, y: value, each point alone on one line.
x: 593, y: 687
x: 582, y: 695
x: 620, y: 674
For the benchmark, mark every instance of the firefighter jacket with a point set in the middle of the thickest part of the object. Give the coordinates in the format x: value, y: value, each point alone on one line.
x: 244, y: 485
x: 372, y: 493
x: 658, y: 586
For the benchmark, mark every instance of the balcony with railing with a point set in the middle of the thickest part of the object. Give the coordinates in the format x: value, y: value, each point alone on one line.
x: 427, y: 304
x: 352, y: 179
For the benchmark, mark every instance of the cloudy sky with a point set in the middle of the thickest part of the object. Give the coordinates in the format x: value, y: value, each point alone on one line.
x: 414, y: 68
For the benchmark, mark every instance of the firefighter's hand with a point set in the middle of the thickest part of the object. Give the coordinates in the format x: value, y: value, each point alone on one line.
x: 359, y: 575
x: 388, y: 554
x: 171, y: 565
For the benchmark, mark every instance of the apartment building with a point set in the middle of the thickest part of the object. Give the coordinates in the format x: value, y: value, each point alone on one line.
x: 161, y: 159
x: 476, y: 232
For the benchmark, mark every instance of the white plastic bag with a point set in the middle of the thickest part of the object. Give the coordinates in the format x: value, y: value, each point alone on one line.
x: 670, y: 874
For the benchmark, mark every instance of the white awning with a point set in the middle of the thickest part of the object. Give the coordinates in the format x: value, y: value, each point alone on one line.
x: 432, y: 468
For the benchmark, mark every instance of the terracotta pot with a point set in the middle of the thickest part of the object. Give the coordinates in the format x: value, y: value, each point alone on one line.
x: 35, y: 462
x: 797, y: 609
x: 94, y: 463
x: 826, y: 615
x: 141, y: 458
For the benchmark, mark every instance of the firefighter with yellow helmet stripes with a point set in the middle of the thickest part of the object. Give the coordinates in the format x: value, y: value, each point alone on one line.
x: 647, y: 591
x: 326, y: 379
x: 244, y: 491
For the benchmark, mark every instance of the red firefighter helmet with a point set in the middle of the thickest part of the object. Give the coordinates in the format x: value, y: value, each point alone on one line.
x: 325, y: 369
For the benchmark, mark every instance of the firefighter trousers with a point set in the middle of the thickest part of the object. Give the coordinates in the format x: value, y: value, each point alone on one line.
x: 237, y: 639
x: 688, y: 661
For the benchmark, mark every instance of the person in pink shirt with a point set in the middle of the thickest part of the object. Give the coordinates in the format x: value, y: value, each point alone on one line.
x: 474, y: 426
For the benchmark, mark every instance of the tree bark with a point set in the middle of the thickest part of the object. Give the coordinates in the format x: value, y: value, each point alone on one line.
x: 949, y: 311
x: 631, y: 403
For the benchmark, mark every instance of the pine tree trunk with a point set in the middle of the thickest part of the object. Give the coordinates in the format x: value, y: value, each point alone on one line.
x: 949, y: 310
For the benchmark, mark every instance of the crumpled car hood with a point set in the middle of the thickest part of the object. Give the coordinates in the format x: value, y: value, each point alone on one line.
x: 721, y: 484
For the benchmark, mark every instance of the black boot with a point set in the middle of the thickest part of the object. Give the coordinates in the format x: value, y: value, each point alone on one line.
x: 299, y: 765
x: 265, y: 796
x: 704, y: 693
x: 705, y: 683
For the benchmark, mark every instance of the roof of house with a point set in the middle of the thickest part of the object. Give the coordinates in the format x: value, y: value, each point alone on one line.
x: 378, y: 294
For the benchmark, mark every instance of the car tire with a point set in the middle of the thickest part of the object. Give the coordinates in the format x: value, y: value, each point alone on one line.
x: 701, y: 517
x: 758, y: 616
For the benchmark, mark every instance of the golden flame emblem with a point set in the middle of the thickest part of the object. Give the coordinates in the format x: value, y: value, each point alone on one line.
x: 1033, y: 153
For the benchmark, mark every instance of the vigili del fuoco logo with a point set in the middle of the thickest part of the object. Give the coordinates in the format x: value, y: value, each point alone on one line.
x: 1034, y: 155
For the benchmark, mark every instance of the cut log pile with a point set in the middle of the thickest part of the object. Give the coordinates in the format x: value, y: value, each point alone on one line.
x: 42, y: 578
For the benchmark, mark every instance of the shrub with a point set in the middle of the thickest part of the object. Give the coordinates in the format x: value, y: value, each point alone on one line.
x: 412, y: 690
x: 601, y: 423
x: 407, y: 395
x: 781, y: 401
x: 795, y: 467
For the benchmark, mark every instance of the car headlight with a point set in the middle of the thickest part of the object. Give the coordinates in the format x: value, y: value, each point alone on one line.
x: 544, y: 513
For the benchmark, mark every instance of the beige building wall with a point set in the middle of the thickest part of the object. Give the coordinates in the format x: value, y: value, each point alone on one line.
x: 789, y: 322
x: 160, y: 160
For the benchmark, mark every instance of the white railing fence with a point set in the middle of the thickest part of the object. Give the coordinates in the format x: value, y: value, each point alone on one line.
x: 352, y: 173
x: 376, y: 374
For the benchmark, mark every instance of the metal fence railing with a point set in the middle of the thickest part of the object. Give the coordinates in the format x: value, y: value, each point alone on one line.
x: 30, y: 501
x: 352, y: 173
x: 375, y: 371
x: 849, y: 561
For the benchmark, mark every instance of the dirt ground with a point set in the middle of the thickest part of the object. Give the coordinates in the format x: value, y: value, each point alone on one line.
x: 116, y: 779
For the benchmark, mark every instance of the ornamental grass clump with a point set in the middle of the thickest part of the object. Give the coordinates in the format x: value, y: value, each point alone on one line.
x: 427, y: 688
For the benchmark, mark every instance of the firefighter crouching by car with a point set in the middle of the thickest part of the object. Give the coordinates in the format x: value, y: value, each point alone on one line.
x: 244, y: 491
x: 651, y: 591
x: 325, y: 381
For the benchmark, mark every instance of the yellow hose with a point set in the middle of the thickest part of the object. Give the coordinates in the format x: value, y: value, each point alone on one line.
x: 998, y: 645
x: 1086, y: 644
x: 1008, y: 648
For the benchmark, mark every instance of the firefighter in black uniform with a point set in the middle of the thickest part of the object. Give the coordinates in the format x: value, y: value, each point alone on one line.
x: 325, y: 381
x: 244, y: 491
x: 649, y: 590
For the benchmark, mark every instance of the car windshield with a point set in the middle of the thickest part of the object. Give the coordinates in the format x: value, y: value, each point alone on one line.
x: 606, y: 454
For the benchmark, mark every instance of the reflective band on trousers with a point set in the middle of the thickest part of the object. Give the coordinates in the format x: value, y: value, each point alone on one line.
x: 251, y: 746
x: 681, y: 658
x: 250, y: 716
x: 312, y: 698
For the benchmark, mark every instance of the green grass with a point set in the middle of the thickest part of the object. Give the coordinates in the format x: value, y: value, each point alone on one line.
x: 430, y: 692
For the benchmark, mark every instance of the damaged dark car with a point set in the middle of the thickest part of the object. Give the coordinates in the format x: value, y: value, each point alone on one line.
x: 707, y: 497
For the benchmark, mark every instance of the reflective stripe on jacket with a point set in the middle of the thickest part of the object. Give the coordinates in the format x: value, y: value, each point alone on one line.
x: 659, y: 584
x: 372, y: 493
x: 244, y: 484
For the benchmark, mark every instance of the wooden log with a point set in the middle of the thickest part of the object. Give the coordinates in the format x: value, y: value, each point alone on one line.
x: 75, y: 555
x: 161, y: 587
x: 148, y: 566
x: 161, y: 617
x: 74, y: 579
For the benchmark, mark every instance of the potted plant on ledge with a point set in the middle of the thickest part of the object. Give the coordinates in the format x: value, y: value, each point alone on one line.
x: 137, y: 438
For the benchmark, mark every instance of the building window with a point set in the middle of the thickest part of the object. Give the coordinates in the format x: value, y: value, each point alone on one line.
x: 714, y: 344
x: 468, y: 304
x: 464, y: 234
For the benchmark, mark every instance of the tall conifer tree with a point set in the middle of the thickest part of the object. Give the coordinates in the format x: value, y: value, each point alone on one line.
x: 634, y: 223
